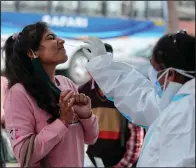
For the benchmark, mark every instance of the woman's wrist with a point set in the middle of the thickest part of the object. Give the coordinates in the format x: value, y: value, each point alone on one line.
x: 87, y: 116
x: 64, y: 122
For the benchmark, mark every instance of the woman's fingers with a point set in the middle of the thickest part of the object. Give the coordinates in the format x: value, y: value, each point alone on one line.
x: 87, y: 99
x: 63, y: 94
x: 71, y: 102
x: 68, y: 96
x: 68, y: 99
x: 84, y: 99
x: 77, y: 98
x: 81, y: 98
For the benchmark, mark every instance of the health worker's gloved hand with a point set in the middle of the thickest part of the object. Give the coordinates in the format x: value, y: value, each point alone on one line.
x: 93, y: 47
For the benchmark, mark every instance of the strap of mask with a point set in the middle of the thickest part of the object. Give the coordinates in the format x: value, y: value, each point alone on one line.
x: 182, y: 72
x: 186, y: 73
x: 56, y: 91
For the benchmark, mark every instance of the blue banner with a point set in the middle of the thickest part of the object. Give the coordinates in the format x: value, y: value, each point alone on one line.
x: 76, y: 27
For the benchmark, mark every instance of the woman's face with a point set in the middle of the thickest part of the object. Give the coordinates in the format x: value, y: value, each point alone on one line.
x: 160, y: 69
x: 51, y: 50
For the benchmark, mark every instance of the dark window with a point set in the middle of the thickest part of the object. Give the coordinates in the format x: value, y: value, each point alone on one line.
x: 127, y: 8
x: 64, y: 7
x: 154, y: 9
x: 114, y: 8
x: 186, y: 3
x: 139, y: 9
x: 8, y: 6
x: 34, y: 6
x: 91, y: 8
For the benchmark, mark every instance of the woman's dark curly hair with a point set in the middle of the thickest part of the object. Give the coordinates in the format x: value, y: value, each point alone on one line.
x: 19, y: 68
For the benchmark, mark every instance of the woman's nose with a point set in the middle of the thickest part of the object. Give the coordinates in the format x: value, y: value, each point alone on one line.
x: 61, y: 41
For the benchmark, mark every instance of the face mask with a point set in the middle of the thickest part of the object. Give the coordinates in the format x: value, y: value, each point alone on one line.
x: 180, y: 71
x: 153, y: 78
x: 40, y: 70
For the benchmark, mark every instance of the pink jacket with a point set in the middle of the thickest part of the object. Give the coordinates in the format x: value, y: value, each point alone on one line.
x: 58, y: 145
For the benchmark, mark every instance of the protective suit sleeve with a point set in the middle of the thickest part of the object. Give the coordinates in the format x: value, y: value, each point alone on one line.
x: 133, y: 94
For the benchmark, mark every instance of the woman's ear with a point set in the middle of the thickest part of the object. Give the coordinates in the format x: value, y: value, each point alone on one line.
x: 31, y: 54
x: 171, y: 76
x: 175, y: 77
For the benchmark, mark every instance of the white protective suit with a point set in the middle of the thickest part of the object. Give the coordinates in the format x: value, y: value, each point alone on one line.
x: 170, y: 139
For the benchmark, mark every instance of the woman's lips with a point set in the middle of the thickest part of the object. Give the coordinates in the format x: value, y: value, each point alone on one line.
x: 62, y: 48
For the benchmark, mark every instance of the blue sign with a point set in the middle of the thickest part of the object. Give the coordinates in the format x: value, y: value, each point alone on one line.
x: 76, y: 27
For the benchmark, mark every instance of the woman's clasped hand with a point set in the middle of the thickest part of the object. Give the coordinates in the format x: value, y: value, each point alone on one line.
x: 72, y: 104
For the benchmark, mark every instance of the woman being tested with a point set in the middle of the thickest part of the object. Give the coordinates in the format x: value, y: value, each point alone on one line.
x: 42, y: 104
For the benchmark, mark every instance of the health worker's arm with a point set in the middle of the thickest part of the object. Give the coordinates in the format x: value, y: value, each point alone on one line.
x: 133, y: 94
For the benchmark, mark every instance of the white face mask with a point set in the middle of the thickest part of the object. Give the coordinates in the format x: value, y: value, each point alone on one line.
x: 167, y: 94
x: 152, y: 74
x: 180, y: 71
x: 153, y: 77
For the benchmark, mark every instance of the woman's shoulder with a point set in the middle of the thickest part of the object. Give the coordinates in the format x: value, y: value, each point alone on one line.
x: 16, y: 95
x: 17, y: 87
x: 17, y: 90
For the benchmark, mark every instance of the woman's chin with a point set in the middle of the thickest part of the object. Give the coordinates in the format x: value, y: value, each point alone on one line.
x: 63, y: 60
